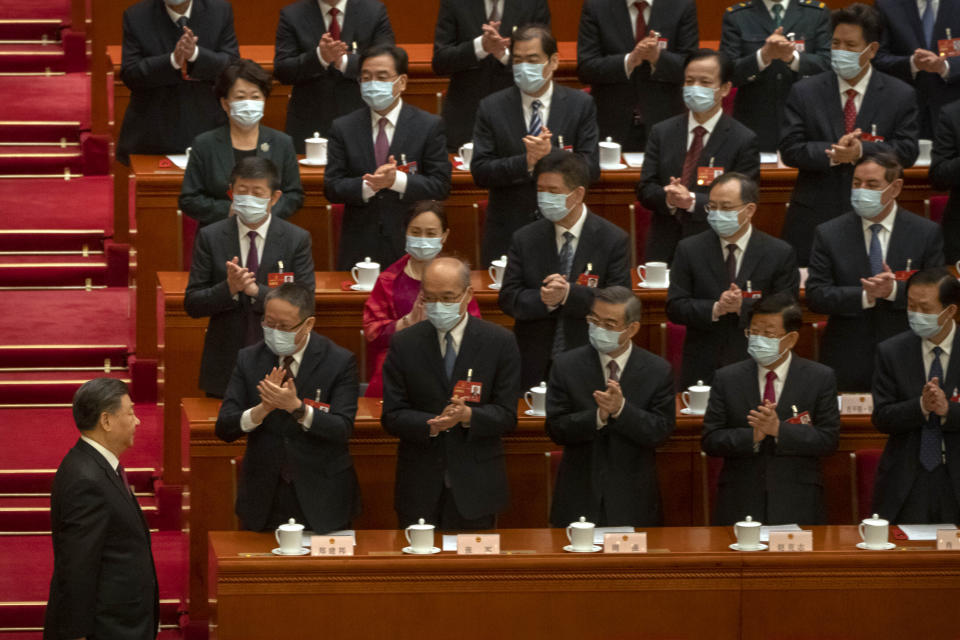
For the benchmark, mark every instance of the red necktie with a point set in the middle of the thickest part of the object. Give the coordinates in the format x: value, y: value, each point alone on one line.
x: 641, y: 23
x: 693, y: 155
x: 381, y: 148
x: 850, y: 111
x: 334, y: 29
x: 768, y: 393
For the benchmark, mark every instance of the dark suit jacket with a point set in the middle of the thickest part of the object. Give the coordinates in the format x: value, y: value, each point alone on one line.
x: 897, y: 384
x: 945, y: 174
x: 782, y: 482
x: 104, y: 584
x: 902, y: 35
x: 731, y: 146
x: 532, y: 257
x: 208, y: 294
x: 319, y: 95
x: 838, y: 260
x: 609, y: 475
x: 166, y: 112
x: 375, y: 228
x: 318, y: 458
x: 606, y: 37
x: 697, y: 278
x: 458, y: 23
x: 206, y: 181
x: 761, y: 95
x: 813, y: 120
x: 500, y: 160
x: 416, y: 389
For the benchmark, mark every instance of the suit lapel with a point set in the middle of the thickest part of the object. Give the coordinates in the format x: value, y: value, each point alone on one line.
x: 871, y: 103
x: 912, y: 15
x: 313, y: 357
x: 223, y: 153
x: 790, y: 18
x: 764, y: 18
x: 588, y: 239
x: 716, y: 258
x: 558, y: 112
x: 514, y: 117
x: 549, y: 253
x: 834, y: 110
x: 854, y: 232
x: 402, y: 132
x: 620, y: 16
x: 365, y: 131
x: 898, y: 248
x: 751, y: 389
x: 951, y: 379
x: 751, y: 258
x: 716, y: 142
x: 507, y: 16
x: 351, y: 18
x: 467, y: 355
x: 231, y: 233
x: 273, y: 245
x: 169, y: 33
x: 675, y: 154
x: 790, y: 392
x: 113, y: 478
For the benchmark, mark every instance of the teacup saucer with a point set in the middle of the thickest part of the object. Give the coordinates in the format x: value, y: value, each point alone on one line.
x: 593, y: 549
x: 311, y: 163
x: 302, y: 552
x: 360, y: 287
x: 759, y: 547
x: 534, y: 414
x: 613, y: 167
x: 647, y: 285
x: 411, y: 551
x: 690, y: 412
x: 886, y: 546
x: 494, y: 286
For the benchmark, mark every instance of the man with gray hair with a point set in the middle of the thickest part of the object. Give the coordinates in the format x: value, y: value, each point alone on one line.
x: 610, y: 404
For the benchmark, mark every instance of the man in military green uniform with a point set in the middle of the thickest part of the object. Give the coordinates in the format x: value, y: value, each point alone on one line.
x: 773, y: 43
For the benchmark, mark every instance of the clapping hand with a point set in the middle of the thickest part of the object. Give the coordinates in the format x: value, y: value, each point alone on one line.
x: 847, y: 148
x: 331, y: 50
x: 730, y: 300
x: 537, y: 146
x: 879, y: 286
x: 384, y: 176
x: 492, y: 42
x: 764, y: 420
x: 678, y: 196
x: 929, y: 61
x: 609, y: 401
x: 240, y: 278
x: 934, y: 399
x: 777, y: 47
x: 186, y: 45
x: 554, y: 290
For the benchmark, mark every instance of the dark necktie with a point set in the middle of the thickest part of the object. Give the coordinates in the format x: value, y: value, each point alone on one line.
x: 850, y: 112
x: 689, y: 174
x: 536, y: 122
x: 641, y: 23
x: 769, y: 394
x: 927, y: 20
x: 876, y: 251
x: 288, y: 368
x: 566, y: 264
x: 731, y: 262
x: 931, y: 435
x: 614, y: 370
x: 181, y: 23
x: 777, y: 14
x: 253, y: 260
x: 494, y: 12
x: 334, y: 29
x: 449, y: 356
x: 381, y: 148
x: 123, y: 478
x: 253, y: 319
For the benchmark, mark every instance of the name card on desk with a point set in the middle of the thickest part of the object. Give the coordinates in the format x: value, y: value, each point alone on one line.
x: 331, y: 546
x: 791, y: 541
x: 472, y: 544
x: 948, y: 539
x: 625, y: 542
x: 856, y: 404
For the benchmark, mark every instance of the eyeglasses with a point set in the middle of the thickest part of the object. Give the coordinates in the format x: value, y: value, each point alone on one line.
x: 269, y: 325
x: 766, y: 334
x: 610, y: 325
x: 713, y: 206
x: 449, y: 299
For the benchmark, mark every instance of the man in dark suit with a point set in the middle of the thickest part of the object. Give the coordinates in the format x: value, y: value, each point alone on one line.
x: 516, y: 127
x: 555, y: 265
x: 772, y: 418
x: 294, y: 396
x: 680, y: 148
x: 471, y: 44
x: 768, y: 62
x: 610, y: 405
x: 381, y: 159
x: 717, y: 275
x: 631, y: 54
x: 945, y: 174
x: 104, y: 583
x: 915, y: 402
x: 317, y: 50
x: 909, y: 51
x: 834, y: 118
x: 172, y: 55
x: 450, y: 466
x: 857, y: 266
x: 234, y: 261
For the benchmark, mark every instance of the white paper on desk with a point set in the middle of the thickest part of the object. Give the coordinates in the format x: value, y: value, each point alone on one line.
x: 450, y: 543
x: 765, y: 531
x: 179, y: 159
x: 599, y: 532
x: 769, y: 157
x: 345, y: 532
x: 635, y: 160
x: 922, y: 162
x: 923, y: 531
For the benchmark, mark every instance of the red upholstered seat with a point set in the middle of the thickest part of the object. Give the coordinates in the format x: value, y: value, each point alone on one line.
x: 863, y: 472
x: 641, y: 219
x: 937, y: 206
x: 710, y: 467
x: 553, y: 465
x: 728, y: 101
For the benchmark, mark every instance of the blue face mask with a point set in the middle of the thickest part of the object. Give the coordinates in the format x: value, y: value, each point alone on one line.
x: 925, y: 325
x: 553, y: 206
x: 246, y: 113
x: 604, y: 340
x: 765, y: 351
x: 424, y: 248
x: 250, y: 209
x: 699, y: 99
x: 443, y: 315
x: 868, y: 203
x: 378, y: 94
x: 724, y: 223
x: 281, y: 343
x: 845, y: 63
x: 529, y: 76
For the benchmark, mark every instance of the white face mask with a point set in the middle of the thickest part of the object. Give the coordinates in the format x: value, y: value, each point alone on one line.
x: 246, y: 113
x: 250, y: 209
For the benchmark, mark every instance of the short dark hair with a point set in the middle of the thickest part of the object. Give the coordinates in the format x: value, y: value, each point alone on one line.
x: 781, y: 303
x: 242, y: 68
x: 892, y: 169
x: 862, y: 15
x: 256, y: 168
x: 423, y: 206
x: 571, y: 166
x: 948, y: 287
x: 621, y: 295
x: 749, y: 191
x: 400, y: 59
x: 535, y: 31
x: 723, y: 61
x: 95, y: 397
x: 296, y: 294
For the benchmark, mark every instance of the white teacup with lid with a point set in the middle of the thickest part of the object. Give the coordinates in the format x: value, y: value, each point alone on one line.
x: 420, y: 536
x: 610, y: 154
x: 316, y: 149
x: 290, y: 537
x: 536, y: 399
x: 875, y: 532
x: 748, y: 533
x: 580, y: 535
x: 695, y: 398
x: 365, y: 273
x: 497, y: 269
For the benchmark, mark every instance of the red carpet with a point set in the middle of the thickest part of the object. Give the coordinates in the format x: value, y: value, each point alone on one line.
x: 61, y: 104
x: 33, y: 9
x: 50, y: 205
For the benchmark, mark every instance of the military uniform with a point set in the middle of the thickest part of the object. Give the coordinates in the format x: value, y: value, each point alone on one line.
x: 761, y: 94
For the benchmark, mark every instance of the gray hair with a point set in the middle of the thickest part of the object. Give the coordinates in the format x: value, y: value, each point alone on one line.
x: 621, y: 295
x: 296, y: 294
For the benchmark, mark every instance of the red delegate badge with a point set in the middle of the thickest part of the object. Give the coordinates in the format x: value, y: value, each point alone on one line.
x: 706, y: 175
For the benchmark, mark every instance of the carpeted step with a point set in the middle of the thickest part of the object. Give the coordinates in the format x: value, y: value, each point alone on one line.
x: 47, y: 388
x: 33, y: 19
x: 44, y: 109
x: 32, y: 514
x: 40, y: 159
x: 44, y: 215
x: 23, y: 57
x: 50, y: 271
x: 62, y: 355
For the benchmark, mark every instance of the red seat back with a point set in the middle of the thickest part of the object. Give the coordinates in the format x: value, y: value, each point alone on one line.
x: 710, y: 467
x: 937, y: 206
x: 676, y: 334
x: 641, y: 220
x: 189, y: 233
x: 865, y: 466
x: 728, y: 101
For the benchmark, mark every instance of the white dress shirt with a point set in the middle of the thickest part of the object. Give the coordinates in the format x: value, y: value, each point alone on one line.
x: 621, y: 361
x: 860, y: 88
x: 527, y: 102
x: 261, y: 232
x: 246, y: 420
x: 887, y: 224
x: 741, y: 244
x: 176, y: 16
x: 478, y: 41
x: 112, y: 459
x: 632, y: 10
x: 709, y: 125
x: 325, y: 9
x: 400, y: 181
x: 795, y: 61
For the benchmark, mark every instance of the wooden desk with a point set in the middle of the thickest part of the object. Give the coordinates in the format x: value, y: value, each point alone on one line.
x: 690, y: 586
